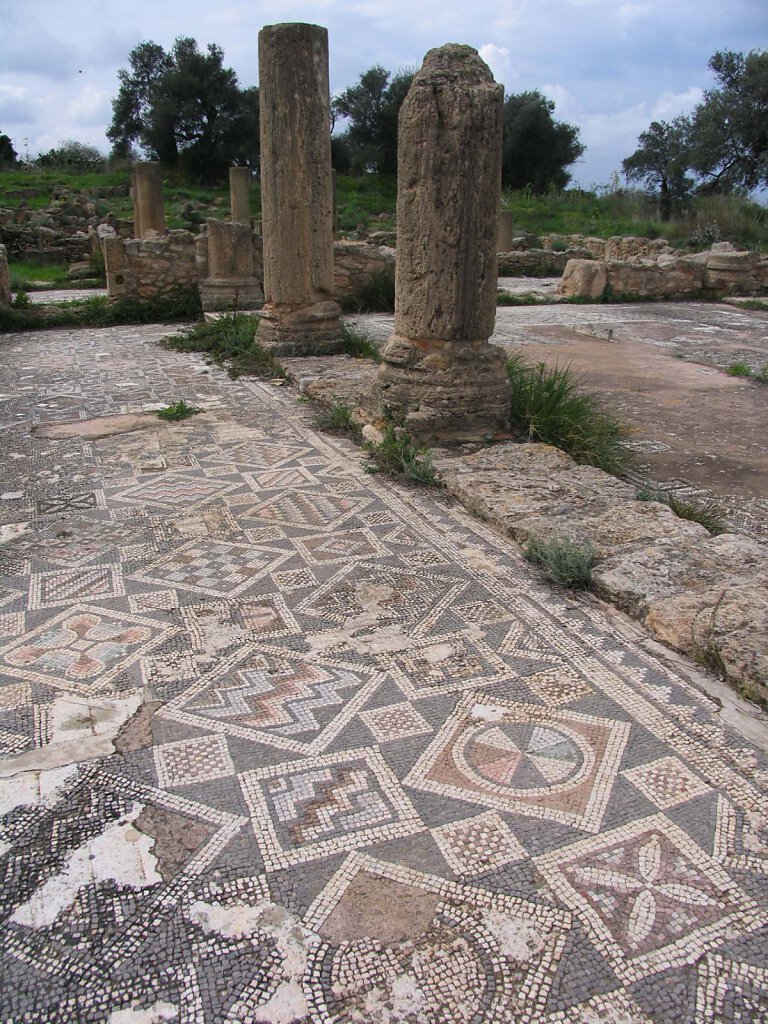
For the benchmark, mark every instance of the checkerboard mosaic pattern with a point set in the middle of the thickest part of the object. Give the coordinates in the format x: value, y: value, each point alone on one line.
x: 377, y: 772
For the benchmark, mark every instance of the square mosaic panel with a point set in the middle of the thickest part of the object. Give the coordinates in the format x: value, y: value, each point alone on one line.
x: 383, y: 926
x: 82, y: 649
x: 524, y: 758
x: 325, y: 805
x: 211, y: 567
x: 479, y: 844
x: 340, y: 546
x: 649, y: 896
x: 275, y: 697
x: 444, y: 664
x: 90, y: 583
x: 666, y: 782
x: 200, y: 759
x: 395, y: 722
x: 316, y: 510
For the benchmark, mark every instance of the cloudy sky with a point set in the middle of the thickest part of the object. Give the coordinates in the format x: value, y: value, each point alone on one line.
x: 610, y: 66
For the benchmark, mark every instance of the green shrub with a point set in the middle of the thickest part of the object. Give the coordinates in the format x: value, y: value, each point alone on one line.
x: 375, y: 295
x: 708, y: 513
x: 177, y: 411
x: 549, y: 405
x: 339, y: 419
x: 399, y: 456
x: 563, y: 561
x: 738, y: 369
x: 229, y: 340
x: 99, y: 311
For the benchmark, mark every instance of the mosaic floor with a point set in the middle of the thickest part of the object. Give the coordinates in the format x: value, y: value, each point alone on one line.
x: 284, y: 741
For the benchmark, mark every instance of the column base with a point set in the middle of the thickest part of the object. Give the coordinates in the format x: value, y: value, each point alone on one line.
x: 310, y: 331
x: 442, y: 391
x: 230, y: 295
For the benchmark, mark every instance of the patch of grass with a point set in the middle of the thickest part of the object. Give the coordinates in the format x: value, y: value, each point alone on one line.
x: 358, y: 344
x: 99, y: 311
x: 759, y: 304
x: 177, y: 411
x: 229, y: 341
x: 397, y: 455
x: 20, y: 300
x: 563, y: 561
x: 31, y: 276
x: 549, y: 405
x: 339, y: 419
x: 708, y: 513
x: 375, y: 295
x: 738, y: 369
x: 519, y: 299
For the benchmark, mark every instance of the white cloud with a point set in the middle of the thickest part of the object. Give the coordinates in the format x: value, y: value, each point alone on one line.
x: 90, y: 106
x: 498, y: 60
x: 670, y: 104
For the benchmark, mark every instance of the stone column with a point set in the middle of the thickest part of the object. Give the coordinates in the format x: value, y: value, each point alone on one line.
x: 135, y: 201
x: 231, y: 281
x: 506, y: 231
x: 440, y: 377
x: 149, y: 199
x: 299, y: 316
x: 240, y: 193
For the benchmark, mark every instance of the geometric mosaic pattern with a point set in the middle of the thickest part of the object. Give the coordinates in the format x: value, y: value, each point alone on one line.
x: 335, y: 758
x: 325, y: 805
x: 546, y: 763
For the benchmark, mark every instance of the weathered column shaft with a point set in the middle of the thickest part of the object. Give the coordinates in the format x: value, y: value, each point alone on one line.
x: 240, y: 193
x: 136, y: 212
x: 149, y: 199
x: 506, y: 231
x: 296, y: 190
x: 439, y: 374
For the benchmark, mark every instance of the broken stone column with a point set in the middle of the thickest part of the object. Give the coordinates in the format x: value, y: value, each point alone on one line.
x: 240, y: 193
x: 299, y: 316
x: 506, y: 231
x: 149, y: 213
x: 231, y: 281
x: 134, y: 200
x: 440, y: 377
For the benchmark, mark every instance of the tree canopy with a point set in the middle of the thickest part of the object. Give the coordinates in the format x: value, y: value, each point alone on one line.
x: 537, y: 149
x: 372, y: 107
x: 185, y: 109
x: 8, y: 154
x: 721, y: 147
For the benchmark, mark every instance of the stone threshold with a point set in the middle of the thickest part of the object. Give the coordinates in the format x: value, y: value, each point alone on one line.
x: 703, y: 596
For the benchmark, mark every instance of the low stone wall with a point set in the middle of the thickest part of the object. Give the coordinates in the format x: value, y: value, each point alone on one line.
x: 5, y: 280
x: 43, y: 245
x: 617, y: 247
x: 148, y: 267
x: 537, y: 262
x: 355, y: 262
x: 717, y: 272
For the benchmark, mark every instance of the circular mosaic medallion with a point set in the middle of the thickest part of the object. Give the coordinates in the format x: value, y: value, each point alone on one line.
x: 524, y: 757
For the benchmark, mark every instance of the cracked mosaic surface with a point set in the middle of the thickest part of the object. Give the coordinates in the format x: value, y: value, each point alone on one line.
x: 282, y: 741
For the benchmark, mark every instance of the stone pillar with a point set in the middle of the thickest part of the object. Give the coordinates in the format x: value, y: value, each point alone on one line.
x: 440, y: 377
x: 231, y: 281
x: 506, y: 231
x: 299, y: 316
x: 240, y: 193
x: 135, y: 201
x: 149, y: 199
x: 5, y: 278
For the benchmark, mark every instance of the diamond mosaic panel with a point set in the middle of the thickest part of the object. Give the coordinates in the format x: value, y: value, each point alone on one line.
x: 212, y: 567
x: 667, y: 782
x: 395, y: 722
x: 195, y: 760
x: 175, y: 491
x: 479, y: 844
x: 326, y: 805
x: 91, y: 583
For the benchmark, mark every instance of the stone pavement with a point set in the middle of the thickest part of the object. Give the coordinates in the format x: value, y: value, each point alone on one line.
x: 284, y: 741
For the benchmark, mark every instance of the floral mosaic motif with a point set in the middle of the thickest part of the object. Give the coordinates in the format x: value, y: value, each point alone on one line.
x: 524, y: 758
x: 325, y: 805
x: 650, y: 896
x: 459, y: 954
x: 82, y: 647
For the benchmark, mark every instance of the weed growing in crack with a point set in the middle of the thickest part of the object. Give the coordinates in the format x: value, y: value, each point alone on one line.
x: 177, y: 411
x: 709, y: 513
x: 563, y: 561
x: 340, y: 419
x: 551, y: 407
x: 738, y: 369
x: 397, y: 455
x: 229, y: 341
x: 359, y: 344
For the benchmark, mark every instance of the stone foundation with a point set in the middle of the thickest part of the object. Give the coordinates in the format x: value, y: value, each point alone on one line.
x: 233, y: 266
x: 146, y: 268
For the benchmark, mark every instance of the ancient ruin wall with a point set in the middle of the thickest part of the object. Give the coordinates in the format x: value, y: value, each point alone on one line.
x: 150, y: 267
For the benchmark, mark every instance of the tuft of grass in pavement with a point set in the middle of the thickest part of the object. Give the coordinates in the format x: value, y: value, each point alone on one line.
x: 399, y: 456
x: 339, y: 419
x: 563, y: 561
x: 738, y: 369
x: 549, y: 404
x: 708, y: 513
x: 99, y: 311
x: 177, y: 411
x: 231, y: 342
x: 359, y: 344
